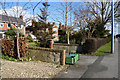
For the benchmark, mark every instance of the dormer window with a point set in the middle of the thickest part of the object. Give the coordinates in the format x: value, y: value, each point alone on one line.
x: 1, y: 24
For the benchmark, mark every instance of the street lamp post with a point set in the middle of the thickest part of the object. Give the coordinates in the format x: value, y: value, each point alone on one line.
x: 112, y: 28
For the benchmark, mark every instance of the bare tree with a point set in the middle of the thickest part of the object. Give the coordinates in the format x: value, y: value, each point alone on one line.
x: 16, y: 13
x: 85, y: 21
x: 65, y: 13
x: 103, y: 9
x: 34, y: 7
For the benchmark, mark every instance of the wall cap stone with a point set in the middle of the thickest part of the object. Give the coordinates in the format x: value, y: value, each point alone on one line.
x: 66, y: 44
x: 46, y: 49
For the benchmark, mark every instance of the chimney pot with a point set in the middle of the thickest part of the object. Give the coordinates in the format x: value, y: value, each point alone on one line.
x: 21, y: 17
x: 53, y: 23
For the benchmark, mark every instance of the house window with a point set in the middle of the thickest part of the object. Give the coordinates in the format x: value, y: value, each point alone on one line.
x: 1, y: 24
x: 54, y: 29
x: 8, y: 24
x: 54, y: 35
x: 19, y: 26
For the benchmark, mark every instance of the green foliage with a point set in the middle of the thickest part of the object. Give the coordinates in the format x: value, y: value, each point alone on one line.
x: 41, y: 26
x: 42, y: 35
x: 59, y: 66
x: 10, y: 33
x: 103, y: 50
x: 100, y: 30
x: 8, y: 58
x: 78, y: 37
x: 33, y: 44
x: 29, y: 38
x: 62, y: 39
x: 14, y: 59
x: 29, y: 59
x: 44, y: 13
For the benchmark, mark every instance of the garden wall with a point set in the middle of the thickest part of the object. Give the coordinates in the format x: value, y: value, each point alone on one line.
x: 9, y: 47
x: 47, y: 55
x: 68, y: 47
x: 93, y: 44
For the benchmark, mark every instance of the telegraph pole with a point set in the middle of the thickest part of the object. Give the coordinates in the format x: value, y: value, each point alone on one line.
x: 112, y: 28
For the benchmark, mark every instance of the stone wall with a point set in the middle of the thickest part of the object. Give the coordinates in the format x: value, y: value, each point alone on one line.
x: 68, y: 47
x: 46, y: 54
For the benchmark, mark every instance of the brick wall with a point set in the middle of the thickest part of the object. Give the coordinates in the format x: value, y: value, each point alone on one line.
x: 5, y: 27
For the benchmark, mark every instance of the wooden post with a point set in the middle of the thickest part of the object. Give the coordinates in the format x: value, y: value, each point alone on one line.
x: 63, y: 58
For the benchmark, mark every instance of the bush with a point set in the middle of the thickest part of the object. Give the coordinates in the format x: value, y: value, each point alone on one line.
x: 93, y: 44
x: 62, y: 39
x: 10, y: 33
x: 9, y: 47
x: 29, y: 38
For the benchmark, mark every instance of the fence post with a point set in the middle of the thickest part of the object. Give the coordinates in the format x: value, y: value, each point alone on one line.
x: 63, y: 58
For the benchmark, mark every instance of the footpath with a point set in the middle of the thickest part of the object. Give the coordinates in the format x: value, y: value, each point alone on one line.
x: 94, y: 66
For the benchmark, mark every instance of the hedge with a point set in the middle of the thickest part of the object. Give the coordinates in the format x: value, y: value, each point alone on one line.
x: 92, y: 44
x: 9, y: 47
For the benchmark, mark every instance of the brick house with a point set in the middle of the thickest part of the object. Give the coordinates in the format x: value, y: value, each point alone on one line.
x: 55, y: 34
x: 4, y: 24
x: 62, y: 29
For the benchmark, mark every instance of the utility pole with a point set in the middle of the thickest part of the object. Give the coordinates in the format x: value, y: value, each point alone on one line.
x: 112, y: 28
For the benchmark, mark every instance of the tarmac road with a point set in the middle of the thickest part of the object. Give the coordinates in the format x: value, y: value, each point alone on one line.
x: 104, y: 66
x: 94, y: 66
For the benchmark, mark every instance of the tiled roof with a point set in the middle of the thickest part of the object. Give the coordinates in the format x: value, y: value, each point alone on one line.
x: 4, y: 18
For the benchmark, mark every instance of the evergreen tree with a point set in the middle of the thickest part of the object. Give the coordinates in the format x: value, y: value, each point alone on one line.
x: 44, y: 13
x: 10, y: 33
x: 43, y: 30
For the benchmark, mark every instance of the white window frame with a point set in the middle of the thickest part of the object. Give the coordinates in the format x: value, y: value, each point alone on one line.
x: 20, y: 27
x: 54, y: 29
x: 55, y: 35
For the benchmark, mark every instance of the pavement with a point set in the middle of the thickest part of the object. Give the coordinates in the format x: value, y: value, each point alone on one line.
x: 94, y: 66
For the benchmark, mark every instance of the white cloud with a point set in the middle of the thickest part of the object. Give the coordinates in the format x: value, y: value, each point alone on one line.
x: 16, y: 11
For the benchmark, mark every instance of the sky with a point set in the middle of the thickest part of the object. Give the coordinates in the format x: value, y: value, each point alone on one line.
x: 54, y: 14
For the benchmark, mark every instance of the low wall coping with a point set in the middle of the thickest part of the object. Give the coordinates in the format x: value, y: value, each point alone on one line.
x: 66, y: 44
x: 46, y: 49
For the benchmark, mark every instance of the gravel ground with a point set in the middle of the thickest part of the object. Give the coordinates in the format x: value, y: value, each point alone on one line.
x: 32, y: 69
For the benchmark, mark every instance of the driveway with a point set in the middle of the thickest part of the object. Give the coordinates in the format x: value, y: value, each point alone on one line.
x: 94, y: 66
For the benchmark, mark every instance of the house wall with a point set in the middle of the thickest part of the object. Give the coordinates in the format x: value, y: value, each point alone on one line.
x: 5, y: 27
x: 56, y: 33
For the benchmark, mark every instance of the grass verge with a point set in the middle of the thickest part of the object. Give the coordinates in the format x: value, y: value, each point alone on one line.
x: 103, y: 50
x: 32, y: 44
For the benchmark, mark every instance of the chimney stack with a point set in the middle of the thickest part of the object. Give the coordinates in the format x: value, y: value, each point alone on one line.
x: 21, y: 17
x: 60, y: 25
x: 63, y: 27
x: 53, y: 23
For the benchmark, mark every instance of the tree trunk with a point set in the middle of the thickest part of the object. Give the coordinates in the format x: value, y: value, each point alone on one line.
x: 68, y: 37
x: 18, y: 45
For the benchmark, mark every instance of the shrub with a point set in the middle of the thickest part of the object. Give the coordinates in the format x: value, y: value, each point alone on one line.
x: 9, y: 47
x: 93, y: 44
x: 29, y: 38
